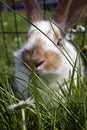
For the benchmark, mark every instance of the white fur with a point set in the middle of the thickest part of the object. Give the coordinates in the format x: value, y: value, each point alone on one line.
x: 52, y: 78
x: 44, y: 27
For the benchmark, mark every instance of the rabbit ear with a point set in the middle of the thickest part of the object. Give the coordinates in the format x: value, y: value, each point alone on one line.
x: 68, y: 12
x: 33, y: 10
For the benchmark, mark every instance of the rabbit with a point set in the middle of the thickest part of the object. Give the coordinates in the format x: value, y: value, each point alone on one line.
x: 47, y: 50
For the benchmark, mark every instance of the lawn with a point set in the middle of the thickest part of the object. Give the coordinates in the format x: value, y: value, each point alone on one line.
x: 69, y: 115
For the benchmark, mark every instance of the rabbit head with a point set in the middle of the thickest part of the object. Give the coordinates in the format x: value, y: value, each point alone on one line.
x: 46, y: 46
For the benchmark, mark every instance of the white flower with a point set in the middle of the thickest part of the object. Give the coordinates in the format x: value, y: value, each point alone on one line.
x: 80, y: 28
x: 11, y: 107
x: 73, y: 30
x: 22, y: 104
x: 5, y: 23
x: 70, y: 36
x: 17, y: 39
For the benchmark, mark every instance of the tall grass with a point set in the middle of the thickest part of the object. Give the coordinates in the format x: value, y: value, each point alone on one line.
x: 70, y: 113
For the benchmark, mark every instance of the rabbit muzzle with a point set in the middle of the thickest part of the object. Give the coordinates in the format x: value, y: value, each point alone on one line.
x: 40, y: 60
x: 38, y: 63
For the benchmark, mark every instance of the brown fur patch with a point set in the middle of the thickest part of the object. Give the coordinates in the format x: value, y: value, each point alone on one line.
x: 37, y: 54
x: 26, y: 56
x: 52, y: 60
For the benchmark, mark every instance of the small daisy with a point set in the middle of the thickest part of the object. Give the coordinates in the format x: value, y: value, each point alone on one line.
x: 22, y: 104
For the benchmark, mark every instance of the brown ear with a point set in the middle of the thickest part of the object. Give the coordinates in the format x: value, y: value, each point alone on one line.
x: 33, y: 10
x: 68, y: 12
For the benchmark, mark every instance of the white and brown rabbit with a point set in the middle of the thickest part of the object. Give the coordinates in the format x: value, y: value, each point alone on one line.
x: 46, y: 49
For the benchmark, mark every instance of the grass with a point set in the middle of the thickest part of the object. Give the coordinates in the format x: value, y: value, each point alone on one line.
x: 71, y: 115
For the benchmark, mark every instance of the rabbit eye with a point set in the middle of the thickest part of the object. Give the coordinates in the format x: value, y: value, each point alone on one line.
x: 59, y: 42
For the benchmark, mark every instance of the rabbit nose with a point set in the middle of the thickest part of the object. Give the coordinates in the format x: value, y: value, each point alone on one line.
x: 38, y: 63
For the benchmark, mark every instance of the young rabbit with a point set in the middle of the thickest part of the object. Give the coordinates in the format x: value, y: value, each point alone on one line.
x: 46, y: 49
